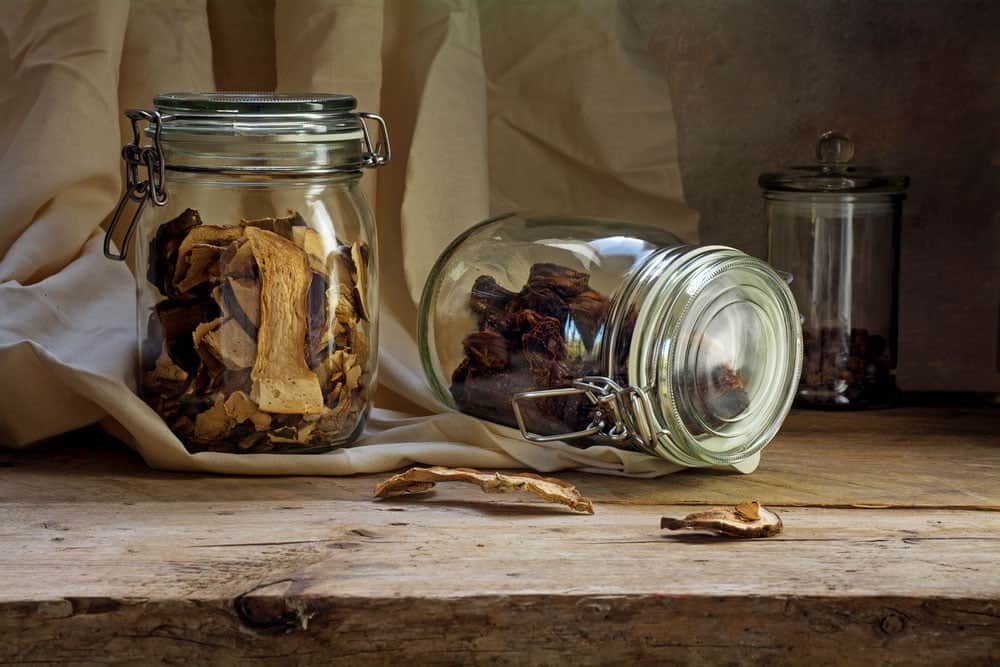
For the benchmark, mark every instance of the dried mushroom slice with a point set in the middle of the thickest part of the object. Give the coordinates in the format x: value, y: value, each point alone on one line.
x: 199, y: 253
x: 240, y: 408
x: 318, y: 329
x: 230, y: 344
x: 237, y: 261
x: 359, y: 340
x: 359, y: 256
x: 213, y: 423
x: 282, y: 382
x: 166, y: 370
x: 747, y: 519
x: 284, y: 227
x: 163, y: 250
x: 178, y: 321
x: 241, y: 300
x: 550, y: 489
x: 312, y: 244
x: 341, y: 267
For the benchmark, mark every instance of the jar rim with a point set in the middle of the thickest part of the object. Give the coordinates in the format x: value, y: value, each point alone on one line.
x: 256, y: 104
x: 666, y: 354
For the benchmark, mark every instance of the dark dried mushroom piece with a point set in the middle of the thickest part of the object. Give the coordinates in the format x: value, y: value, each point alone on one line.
x: 486, y: 350
x: 178, y: 321
x: 359, y: 257
x: 563, y: 280
x: 163, y: 250
x: 489, y: 301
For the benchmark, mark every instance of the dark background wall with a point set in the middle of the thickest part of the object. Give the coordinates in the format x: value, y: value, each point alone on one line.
x: 916, y: 84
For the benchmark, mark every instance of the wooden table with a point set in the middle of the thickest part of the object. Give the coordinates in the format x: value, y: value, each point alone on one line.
x: 890, y: 555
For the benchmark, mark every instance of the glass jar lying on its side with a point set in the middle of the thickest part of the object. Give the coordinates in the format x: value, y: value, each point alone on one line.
x: 256, y: 269
x: 603, y: 332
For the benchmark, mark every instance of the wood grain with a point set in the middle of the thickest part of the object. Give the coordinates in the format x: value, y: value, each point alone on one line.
x: 926, y: 457
x: 105, y: 561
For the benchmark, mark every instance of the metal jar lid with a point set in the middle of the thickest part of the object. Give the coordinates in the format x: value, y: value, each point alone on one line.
x: 281, y: 120
x: 835, y: 173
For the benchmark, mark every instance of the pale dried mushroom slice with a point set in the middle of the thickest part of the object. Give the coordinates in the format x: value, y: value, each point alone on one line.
x: 331, y: 369
x: 284, y: 227
x: 352, y: 373
x: 199, y: 265
x: 237, y: 261
x: 312, y: 244
x: 341, y: 267
x: 359, y: 257
x: 747, y: 519
x: 213, y: 235
x: 282, y: 381
x: 199, y: 253
x: 240, y: 407
x: 204, y: 327
x: 242, y: 299
x: 231, y: 345
x: 359, y: 341
x: 214, y: 423
x: 550, y: 489
x: 165, y: 369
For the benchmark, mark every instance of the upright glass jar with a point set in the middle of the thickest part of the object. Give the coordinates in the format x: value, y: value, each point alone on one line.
x: 605, y: 332
x: 256, y: 268
x: 835, y: 227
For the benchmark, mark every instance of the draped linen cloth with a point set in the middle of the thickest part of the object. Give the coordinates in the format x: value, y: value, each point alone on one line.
x: 491, y: 106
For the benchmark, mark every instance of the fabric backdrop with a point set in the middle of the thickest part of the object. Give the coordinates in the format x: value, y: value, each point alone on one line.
x: 492, y: 106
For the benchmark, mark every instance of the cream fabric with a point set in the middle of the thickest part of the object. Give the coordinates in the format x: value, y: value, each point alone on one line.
x: 491, y: 106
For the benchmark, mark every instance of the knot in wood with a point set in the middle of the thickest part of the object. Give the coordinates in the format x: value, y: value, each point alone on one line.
x: 892, y: 623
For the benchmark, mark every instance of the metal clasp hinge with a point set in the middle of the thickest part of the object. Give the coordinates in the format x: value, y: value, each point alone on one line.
x: 380, y: 153
x: 152, y: 187
x: 621, y: 413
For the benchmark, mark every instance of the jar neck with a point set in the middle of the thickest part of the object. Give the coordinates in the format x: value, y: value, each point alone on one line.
x: 683, y: 329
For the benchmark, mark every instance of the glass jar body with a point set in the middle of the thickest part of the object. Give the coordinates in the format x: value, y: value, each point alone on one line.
x: 842, y: 250
x: 606, y: 332
x: 257, y: 303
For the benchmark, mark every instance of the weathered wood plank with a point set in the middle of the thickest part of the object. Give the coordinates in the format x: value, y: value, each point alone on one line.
x: 927, y: 457
x: 451, y: 579
x: 458, y: 543
x: 529, y: 629
x: 106, y: 561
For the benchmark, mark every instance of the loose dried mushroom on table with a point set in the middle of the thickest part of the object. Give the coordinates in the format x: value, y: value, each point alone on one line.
x: 417, y: 481
x: 262, y: 340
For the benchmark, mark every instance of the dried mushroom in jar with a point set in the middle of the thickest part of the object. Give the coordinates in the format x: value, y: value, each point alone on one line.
x: 261, y: 341
x: 545, y: 336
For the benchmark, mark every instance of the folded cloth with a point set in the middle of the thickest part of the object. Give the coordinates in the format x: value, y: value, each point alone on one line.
x: 477, y: 123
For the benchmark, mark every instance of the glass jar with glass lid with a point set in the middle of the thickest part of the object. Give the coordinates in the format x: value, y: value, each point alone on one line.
x: 256, y: 267
x: 613, y: 333
x: 835, y: 227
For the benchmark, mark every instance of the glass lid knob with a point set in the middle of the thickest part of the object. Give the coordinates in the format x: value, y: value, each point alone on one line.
x: 834, y: 148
